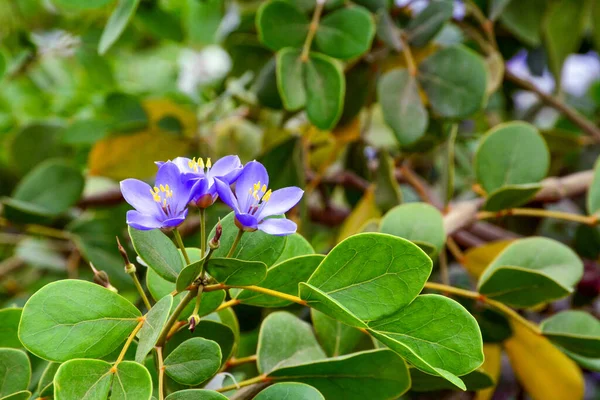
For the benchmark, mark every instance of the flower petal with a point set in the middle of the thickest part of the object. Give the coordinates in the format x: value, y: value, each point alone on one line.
x: 144, y: 222
x: 281, y: 201
x: 198, y: 188
x: 278, y: 226
x: 247, y: 220
x: 137, y: 194
x: 227, y: 168
x: 169, y: 174
x: 175, y: 221
x: 253, y: 172
x: 226, y: 195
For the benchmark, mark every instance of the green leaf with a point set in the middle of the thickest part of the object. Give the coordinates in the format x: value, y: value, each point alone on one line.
x: 85, y: 132
x: 290, y: 79
x: 46, y: 384
x: 346, y: 33
x: 401, y: 105
x: 281, y: 24
x: 513, y: 153
x: 336, y: 338
x: 93, y: 380
x: 158, y: 252
x: 22, y: 395
x: 153, y: 325
x: 496, y: 7
x: 373, y: 375
x: 212, y: 330
x: 51, y: 188
x: 510, y: 196
x: 117, y: 22
x: 57, y: 321
x: 193, y: 361
x: 189, y: 274
x: 593, y: 196
x: 296, y: 245
x: 34, y: 143
x: 524, y: 20
x: 451, y: 92
x: 82, y: 4
x: 361, y: 276
x: 10, y: 318
x: 283, y: 277
x: 231, y: 271
x: 435, y: 334
x: 429, y: 22
x: 531, y: 271
x: 325, y: 86
x: 576, y: 331
x: 196, y: 394
x: 420, y: 223
x: 290, y: 390
x: 254, y: 246
x: 422, y: 382
x: 285, y: 340
x: 15, y: 371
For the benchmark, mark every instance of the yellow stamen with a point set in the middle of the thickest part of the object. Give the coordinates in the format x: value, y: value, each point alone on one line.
x: 200, y: 163
x: 162, y: 188
x: 167, y: 188
x: 208, y: 163
x: 255, y: 195
x: 191, y: 164
x: 156, y: 189
x: 267, y: 196
x: 264, y: 188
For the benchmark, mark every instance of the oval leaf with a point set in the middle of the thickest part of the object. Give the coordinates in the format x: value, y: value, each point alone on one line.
x: 230, y: 271
x: 281, y: 24
x: 346, y: 33
x: 193, y: 361
x: 158, y: 252
x: 15, y: 371
x: 576, y: 331
x: 325, y: 86
x: 290, y: 390
x: 117, y: 23
x: 290, y: 79
x: 153, y: 325
x: 196, y: 394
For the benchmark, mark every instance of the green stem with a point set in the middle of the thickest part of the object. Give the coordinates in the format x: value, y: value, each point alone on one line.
x: 179, y: 242
x: 198, y: 300
x: 312, y: 30
x: 235, y: 243
x: 140, y: 290
x: 203, y: 232
x: 184, y: 302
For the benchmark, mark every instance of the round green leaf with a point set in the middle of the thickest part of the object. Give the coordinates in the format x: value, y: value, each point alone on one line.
x: 231, y: 271
x: 117, y: 22
x: 290, y: 79
x: 10, y: 318
x: 153, y: 325
x: 281, y: 24
x: 286, y: 340
x: 58, y: 320
x: 576, y: 331
x: 435, y: 334
x: 291, y: 390
x: 401, y: 105
x: 216, y: 331
x: 429, y: 22
x: 51, y: 188
x: 325, y: 86
x: 453, y: 93
x: 593, y: 197
x: 283, y: 277
x: 531, y: 271
x: 83, y: 379
x: 510, y: 196
x: 336, y: 338
x: 370, y: 275
x: 420, y: 223
x: 196, y: 394
x: 15, y: 371
x: 158, y: 252
x: 193, y: 361
x: 346, y: 33
x: 46, y: 384
x: 295, y: 246
x: 373, y: 375
x: 513, y: 153
x: 131, y: 381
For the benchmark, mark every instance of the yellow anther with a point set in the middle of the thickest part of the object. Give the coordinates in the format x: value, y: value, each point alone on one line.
x: 191, y: 164
x: 167, y: 188
x: 208, y: 163
x: 264, y: 188
x: 162, y: 188
x: 267, y: 195
x: 156, y: 189
x: 169, y: 194
x: 257, y: 186
x: 200, y: 163
x: 255, y: 195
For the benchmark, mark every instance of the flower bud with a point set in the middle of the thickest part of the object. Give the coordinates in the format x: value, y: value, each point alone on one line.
x: 193, y: 321
x: 123, y: 252
x: 204, y: 201
x: 215, y: 241
x: 101, y: 278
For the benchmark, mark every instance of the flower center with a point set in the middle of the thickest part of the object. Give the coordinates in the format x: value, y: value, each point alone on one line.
x: 261, y: 196
x: 198, y: 165
x: 163, y: 195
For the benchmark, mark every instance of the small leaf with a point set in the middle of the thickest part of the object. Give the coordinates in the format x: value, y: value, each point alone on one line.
x: 420, y: 223
x: 289, y: 390
x: 452, y: 93
x: 429, y: 22
x: 58, y: 318
x: 285, y: 340
x: 346, y: 33
x: 325, y: 86
x: 373, y: 375
x: 283, y: 277
x: 524, y: 20
x: 46, y: 384
x: 576, y: 331
x: 212, y: 330
x: 336, y: 338
x: 281, y: 24
x: 153, y: 325
x: 231, y: 271
x: 194, y: 361
x: 401, y: 105
x: 511, y: 196
x: 158, y: 252
x: 15, y: 371
x: 196, y: 394
x: 131, y: 381
x: 531, y: 271
x: 593, y: 196
x: 187, y: 275
x: 10, y: 318
x: 290, y: 81
x: 117, y: 22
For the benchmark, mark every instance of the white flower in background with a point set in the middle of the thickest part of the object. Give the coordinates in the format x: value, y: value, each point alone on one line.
x: 416, y: 6
x: 579, y: 72
x: 55, y: 43
x: 203, y: 68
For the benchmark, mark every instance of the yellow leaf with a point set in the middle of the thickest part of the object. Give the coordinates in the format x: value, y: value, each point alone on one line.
x: 133, y: 156
x: 543, y: 370
x: 323, y: 149
x: 491, y: 366
x: 478, y: 258
x: 347, y: 133
x: 365, y: 210
x: 158, y: 109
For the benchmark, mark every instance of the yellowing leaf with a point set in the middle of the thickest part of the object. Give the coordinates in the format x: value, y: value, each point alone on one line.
x: 158, y: 109
x: 365, y: 210
x: 323, y: 149
x: 543, y: 370
x: 347, y: 133
x: 478, y: 258
x: 133, y: 156
x: 491, y: 366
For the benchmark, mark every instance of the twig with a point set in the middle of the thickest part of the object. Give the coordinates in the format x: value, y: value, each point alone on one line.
x: 591, y: 220
x: 312, y: 30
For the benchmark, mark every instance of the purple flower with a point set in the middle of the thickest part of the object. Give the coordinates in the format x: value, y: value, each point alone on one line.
x: 200, y: 177
x: 164, y: 206
x: 253, y: 203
